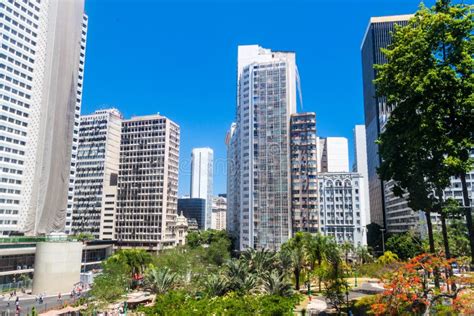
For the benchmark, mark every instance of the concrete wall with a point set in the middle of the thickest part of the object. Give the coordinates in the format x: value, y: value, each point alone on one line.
x: 57, y: 267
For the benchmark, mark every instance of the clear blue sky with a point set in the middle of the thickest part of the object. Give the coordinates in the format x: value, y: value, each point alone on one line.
x: 179, y: 58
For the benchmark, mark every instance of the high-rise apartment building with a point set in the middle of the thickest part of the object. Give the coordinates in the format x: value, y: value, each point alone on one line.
x: 304, y: 169
x: 41, y: 75
x: 333, y: 154
x: 202, y: 160
x: 219, y: 210
x: 148, y: 183
x: 360, y: 163
x: 266, y: 97
x: 97, y: 165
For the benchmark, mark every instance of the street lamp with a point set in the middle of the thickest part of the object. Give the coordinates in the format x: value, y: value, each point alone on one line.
x: 383, y: 239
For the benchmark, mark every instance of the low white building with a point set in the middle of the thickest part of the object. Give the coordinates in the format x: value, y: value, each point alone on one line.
x: 342, y: 206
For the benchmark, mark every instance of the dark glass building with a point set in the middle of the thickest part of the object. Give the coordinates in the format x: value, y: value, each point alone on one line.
x: 377, y: 36
x: 193, y: 208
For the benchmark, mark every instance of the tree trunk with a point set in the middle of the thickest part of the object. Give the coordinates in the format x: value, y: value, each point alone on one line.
x: 297, y: 279
x: 467, y: 210
x: 432, y: 245
x: 319, y: 276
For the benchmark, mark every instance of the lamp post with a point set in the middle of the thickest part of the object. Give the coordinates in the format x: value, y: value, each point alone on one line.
x: 383, y: 240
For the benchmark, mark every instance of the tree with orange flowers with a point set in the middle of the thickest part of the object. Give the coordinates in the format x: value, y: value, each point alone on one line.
x: 410, y: 289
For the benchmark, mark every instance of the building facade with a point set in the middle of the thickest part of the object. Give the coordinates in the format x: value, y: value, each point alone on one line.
x: 148, y: 183
x: 202, y: 160
x: 386, y: 209
x: 266, y: 97
x: 219, y: 212
x: 193, y: 208
x: 41, y: 74
x: 360, y: 163
x: 95, y: 191
x: 233, y: 185
x: 333, y: 154
x: 304, y: 170
x: 342, y: 207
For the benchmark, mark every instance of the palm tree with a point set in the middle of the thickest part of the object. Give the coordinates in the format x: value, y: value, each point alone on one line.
x: 216, y: 285
x: 387, y: 258
x: 259, y: 261
x: 159, y: 280
x: 295, y: 250
x: 316, y: 248
x: 347, y: 247
x: 239, y: 277
x: 136, y: 259
x: 363, y: 254
x: 274, y: 283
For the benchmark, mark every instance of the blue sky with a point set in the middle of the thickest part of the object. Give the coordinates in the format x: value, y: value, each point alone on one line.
x: 179, y: 58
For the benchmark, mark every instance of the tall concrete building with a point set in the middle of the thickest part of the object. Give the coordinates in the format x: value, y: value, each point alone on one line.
x: 304, y: 169
x: 333, y: 154
x: 148, y: 183
x: 41, y: 75
x: 202, y: 160
x: 97, y: 165
x: 360, y: 163
x: 266, y: 97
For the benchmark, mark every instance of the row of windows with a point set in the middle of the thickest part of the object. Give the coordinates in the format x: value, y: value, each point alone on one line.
x: 15, y: 91
x: 11, y: 181
x: 12, y: 140
x: 14, y: 111
x: 12, y: 150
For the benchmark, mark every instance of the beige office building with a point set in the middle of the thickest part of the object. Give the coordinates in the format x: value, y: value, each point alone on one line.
x: 148, y: 183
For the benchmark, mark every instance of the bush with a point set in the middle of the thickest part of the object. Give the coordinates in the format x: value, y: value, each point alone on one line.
x: 362, y: 306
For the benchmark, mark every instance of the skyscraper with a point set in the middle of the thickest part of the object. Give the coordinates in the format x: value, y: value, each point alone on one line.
x: 266, y: 97
x: 95, y: 189
x: 148, y: 183
x: 333, y: 154
x: 377, y: 36
x: 233, y: 185
x: 202, y: 160
x: 360, y: 163
x: 304, y: 169
x: 41, y: 73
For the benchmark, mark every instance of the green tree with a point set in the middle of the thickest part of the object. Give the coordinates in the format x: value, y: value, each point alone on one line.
x: 316, y: 248
x: 294, y: 249
x: 363, y: 254
x: 347, y: 247
x: 387, y: 258
x: 112, y: 283
x: 428, y: 77
x: 136, y: 260
x: 405, y: 246
x: 335, y: 284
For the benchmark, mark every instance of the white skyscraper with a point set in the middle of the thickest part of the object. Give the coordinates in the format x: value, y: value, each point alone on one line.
x: 201, y: 179
x: 333, y: 154
x: 41, y: 73
x: 259, y: 145
x: 360, y: 163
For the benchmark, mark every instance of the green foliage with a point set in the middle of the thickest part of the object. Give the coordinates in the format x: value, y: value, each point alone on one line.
x: 458, y: 238
x: 136, y: 260
x: 275, y: 283
x: 377, y: 269
x: 180, y: 303
x: 388, y: 257
x: 83, y: 236
x: 405, y: 246
x: 160, y: 280
x: 112, y: 284
x: 294, y: 250
x: 363, y: 304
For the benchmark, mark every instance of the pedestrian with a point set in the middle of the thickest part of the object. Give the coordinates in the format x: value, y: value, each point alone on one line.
x: 59, y: 296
